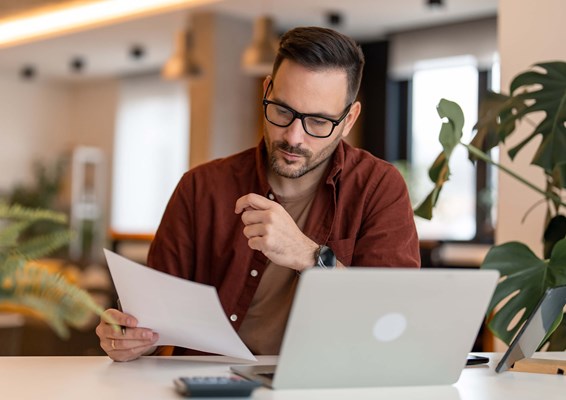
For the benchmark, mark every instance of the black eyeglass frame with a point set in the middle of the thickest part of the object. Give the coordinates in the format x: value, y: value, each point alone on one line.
x: 301, y: 116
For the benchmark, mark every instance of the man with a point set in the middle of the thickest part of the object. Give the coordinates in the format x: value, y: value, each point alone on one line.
x: 250, y: 223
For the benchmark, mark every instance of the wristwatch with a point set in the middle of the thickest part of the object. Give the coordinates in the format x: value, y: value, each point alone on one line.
x: 324, y: 257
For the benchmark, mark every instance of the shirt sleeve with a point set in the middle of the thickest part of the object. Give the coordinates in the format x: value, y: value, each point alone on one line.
x: 388, y: 236
x: 171, y: 250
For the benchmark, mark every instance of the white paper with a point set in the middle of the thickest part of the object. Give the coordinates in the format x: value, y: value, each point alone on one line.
x: 184, y: 313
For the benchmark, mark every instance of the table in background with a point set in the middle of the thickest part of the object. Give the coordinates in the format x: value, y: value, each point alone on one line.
x: 151, y: 378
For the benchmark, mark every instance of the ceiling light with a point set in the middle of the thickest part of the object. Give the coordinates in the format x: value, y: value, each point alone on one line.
x: 182, y: 63
x: 82, y: 16
x: 334, y: 18
x: 137, y: 52
x: 28, y: 72
x: 259, y: 56
x: 77, y: 64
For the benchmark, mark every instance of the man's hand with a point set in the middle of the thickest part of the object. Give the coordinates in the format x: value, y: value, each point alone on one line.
x: 126, y: 344
x: 271, y: 230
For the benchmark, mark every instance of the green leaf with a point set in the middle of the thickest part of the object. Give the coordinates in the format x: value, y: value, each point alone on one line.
x: 524, y: 279
x: 555, y: 231
x: 49, y: 295
x: 30, y: 288
x: 16, y: 211
x: 451, y: 131
x: 439, y: 172
x: 546, y: 92
x: 487, y: 127
x: 43, y: 245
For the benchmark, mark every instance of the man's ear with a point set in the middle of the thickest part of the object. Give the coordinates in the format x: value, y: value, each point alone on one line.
x: 268, y: 79
x: 351, y: 118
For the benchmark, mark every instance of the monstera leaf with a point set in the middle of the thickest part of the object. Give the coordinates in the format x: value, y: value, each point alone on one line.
x: 542, y: 91
x: 450, y: 135
x: 524, y: 279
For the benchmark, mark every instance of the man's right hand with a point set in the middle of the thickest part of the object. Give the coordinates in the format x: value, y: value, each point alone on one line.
x: 128, y: 343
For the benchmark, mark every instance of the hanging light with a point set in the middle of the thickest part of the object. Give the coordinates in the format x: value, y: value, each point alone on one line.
x: 259, y: 56
x: 182, y: 63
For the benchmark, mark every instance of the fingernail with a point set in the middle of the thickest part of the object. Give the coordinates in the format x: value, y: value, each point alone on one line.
x: 146, y: 335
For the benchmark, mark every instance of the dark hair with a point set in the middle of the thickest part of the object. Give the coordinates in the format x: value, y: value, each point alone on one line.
x: 322, y: 48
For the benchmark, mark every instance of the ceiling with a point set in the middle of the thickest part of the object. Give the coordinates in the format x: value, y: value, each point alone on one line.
x: 106, y: 49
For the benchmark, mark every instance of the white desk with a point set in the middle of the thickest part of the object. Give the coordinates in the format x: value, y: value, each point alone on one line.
x: 151, y: 378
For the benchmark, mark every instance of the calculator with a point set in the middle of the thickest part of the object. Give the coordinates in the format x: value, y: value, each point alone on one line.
x: 215, y: 386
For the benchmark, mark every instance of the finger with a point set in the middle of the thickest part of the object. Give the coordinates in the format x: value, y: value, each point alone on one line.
x: 253, y: 217
x: 131, y: 344
x: 256, y: 243
x: 129, y: 354
x: 254, y: 201
x: 255, y: 230
x: 121, y: 318
x: 127, y: 349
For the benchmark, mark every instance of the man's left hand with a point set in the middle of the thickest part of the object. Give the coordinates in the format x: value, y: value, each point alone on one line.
x: 271, y: 230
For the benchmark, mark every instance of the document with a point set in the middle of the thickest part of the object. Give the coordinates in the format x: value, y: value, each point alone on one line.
x: 184, y: 313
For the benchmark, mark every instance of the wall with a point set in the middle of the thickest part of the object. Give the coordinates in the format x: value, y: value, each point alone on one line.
x: 34, y: 125
x: 477, y: 38
x: 529, y: 32
x: 223, y: 119
x: 92, y: 122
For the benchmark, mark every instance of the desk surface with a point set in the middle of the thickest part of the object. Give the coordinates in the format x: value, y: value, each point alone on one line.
x: 151, y: 378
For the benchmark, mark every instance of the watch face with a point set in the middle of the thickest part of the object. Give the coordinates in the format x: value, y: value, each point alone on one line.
x: 326, y: 258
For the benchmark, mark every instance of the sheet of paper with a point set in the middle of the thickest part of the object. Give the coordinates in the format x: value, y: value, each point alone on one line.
x: 184, y: 313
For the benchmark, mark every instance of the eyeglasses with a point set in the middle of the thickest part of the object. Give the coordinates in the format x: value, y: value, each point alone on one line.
x: 313, y: 124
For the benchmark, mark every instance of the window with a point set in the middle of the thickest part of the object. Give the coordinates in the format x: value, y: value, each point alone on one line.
x: 455, y: 79
x: 150, y: 151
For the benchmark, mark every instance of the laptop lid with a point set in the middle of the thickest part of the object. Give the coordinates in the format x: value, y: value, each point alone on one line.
x: 535, y: 329
x: 363, y: 327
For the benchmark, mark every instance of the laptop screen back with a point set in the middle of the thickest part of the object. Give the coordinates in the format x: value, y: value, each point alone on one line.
x: 382, y: 327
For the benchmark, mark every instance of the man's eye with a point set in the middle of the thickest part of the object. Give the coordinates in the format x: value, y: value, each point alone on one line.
x: 282, y: 111
x: 318, y: 121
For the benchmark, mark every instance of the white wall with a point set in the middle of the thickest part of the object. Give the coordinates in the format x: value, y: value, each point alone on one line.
x: 34, y: 125
x: 529, y: 32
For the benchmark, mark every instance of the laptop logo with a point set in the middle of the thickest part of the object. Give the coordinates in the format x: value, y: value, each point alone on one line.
x: 389, y: 327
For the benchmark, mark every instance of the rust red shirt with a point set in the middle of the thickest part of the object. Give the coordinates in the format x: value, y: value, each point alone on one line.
x: 361, y: 210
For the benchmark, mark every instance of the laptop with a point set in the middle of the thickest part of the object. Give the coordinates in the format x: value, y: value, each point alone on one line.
x: 536, y: 328
x: 367, y: 327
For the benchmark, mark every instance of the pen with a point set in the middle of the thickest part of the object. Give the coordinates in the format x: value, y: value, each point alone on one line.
x: 122, y: 327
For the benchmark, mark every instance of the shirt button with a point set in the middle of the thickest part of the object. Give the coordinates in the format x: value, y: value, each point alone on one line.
x: 253, y: 273
x: 233, y: 317
x: 271, y: 196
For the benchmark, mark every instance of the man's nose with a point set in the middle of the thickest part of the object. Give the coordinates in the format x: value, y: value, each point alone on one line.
x: 295, y: 133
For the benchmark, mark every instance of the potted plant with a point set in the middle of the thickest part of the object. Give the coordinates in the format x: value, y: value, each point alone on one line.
x: 29, y: 287
x: 524, y: 276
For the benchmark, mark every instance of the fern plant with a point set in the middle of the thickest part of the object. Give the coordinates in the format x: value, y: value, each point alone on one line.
x: 539, y: 91
x: 29, y: 288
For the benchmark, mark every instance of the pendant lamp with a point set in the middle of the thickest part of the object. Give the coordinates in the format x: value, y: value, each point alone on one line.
x: 182, y: 63
x: 259, y: 56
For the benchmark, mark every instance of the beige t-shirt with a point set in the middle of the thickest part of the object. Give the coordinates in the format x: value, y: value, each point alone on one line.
x: 264, y: 324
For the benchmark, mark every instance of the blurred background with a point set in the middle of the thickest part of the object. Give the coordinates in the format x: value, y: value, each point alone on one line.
x: 105, y: 104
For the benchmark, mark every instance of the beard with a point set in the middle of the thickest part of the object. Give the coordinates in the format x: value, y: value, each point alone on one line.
x: 296, y: 169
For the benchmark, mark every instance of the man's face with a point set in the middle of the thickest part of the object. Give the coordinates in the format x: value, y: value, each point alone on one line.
x: 291, y: 151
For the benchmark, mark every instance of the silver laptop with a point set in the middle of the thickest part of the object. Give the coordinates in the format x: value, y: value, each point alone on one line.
x: 363, y: 327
